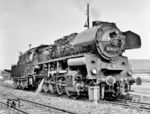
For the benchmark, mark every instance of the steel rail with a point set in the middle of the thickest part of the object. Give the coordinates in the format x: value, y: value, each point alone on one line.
x: 129, y: 104
x: 126, y: 103
x: 141, y: 105
x: 63, y: 110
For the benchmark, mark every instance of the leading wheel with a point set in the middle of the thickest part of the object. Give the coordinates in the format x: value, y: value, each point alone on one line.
x: 45, y: 88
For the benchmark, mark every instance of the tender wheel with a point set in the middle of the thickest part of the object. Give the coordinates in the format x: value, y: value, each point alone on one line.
x: 18, y: 85
x: 51, y: 88
x: 45, y: 88
x: 23, y: 85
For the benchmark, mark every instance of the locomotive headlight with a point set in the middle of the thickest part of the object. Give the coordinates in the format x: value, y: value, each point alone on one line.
x: 94, y: 71
x: 110, y: 80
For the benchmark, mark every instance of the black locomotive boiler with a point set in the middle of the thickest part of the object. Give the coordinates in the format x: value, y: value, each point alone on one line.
x: 79, y: 61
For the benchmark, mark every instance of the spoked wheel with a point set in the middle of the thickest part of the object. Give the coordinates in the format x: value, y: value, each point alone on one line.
x: 15, y: 85
x: 60, y: 87
x: 22, y: 85
x: 45, y: 88
x: 18, y: 85
x: 68, y: 92
x: 51, y: 88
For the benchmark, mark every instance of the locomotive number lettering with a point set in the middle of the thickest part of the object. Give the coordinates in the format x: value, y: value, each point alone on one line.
x: 112, y: 49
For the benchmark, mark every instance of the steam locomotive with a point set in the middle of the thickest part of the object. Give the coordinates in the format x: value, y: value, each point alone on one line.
x: 79, y: 61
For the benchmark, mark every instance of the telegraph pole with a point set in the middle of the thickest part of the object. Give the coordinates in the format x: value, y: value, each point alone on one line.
x: 87, y: 24
x: 88, y: 20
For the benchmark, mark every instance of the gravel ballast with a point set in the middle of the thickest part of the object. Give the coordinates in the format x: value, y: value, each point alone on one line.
x: 77, y: 106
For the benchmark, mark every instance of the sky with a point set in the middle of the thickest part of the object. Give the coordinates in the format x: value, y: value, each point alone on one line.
x: 36, y: 22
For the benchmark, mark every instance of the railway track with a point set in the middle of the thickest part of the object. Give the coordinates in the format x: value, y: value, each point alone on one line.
x: 26, y: 106
x: 143, y: 106
x: 129, y: 104
x: 124, y: 103
x: 47, y: 106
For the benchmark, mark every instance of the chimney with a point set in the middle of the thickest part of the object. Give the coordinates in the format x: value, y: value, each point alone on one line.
x: 96, y: 23
x: 30, y: 46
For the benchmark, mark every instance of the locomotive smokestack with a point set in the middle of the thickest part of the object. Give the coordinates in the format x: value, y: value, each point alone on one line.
x: 96, y: 23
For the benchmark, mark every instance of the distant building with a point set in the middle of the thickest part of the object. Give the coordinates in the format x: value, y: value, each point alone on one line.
x: 5, y: 75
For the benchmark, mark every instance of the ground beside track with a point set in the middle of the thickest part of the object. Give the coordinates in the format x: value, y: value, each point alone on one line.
x: 142, y: 92
x: 145, y: 87
x: 142, y: 89
x: 80, y: 107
